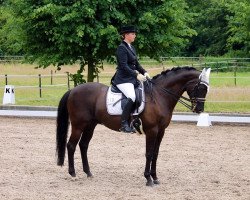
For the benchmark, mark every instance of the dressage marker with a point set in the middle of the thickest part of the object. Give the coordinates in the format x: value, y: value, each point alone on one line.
x: 204, y: 120
x: 9, y: 95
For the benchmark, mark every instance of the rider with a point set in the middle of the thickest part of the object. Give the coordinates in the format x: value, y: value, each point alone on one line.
x: 128, y: 72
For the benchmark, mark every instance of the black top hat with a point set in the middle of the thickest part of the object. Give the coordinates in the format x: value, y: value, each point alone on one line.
x: 128, y: 29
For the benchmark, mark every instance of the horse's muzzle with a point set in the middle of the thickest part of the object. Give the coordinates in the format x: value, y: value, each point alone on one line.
x: 198, y: 107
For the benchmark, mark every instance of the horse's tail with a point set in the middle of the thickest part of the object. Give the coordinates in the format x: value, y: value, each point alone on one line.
x: 62, y: 128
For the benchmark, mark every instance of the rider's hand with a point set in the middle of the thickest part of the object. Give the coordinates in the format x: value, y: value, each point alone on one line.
x: 141, y: 78
x: 147, y: 75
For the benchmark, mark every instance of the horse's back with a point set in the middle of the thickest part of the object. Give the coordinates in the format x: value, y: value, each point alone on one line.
x: 83, y: 98
x: 88, y: 90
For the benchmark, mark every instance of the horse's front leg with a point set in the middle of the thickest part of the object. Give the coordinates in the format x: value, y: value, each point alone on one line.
x: 153, y: 171
x: 155, y: 156
x: 150, y: 146
x: 147, y: 174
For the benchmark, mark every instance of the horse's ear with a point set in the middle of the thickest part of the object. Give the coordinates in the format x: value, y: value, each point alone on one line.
x: 204, y: 76
x: 208, y: 74
x: 201, y: 77
x: 203, y: 71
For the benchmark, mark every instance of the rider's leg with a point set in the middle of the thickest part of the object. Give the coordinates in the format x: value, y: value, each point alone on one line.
x: 129, y: 91
x: 125, y: 127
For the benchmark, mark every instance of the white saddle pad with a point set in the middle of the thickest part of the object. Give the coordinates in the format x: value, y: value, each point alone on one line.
x: 113, y: 103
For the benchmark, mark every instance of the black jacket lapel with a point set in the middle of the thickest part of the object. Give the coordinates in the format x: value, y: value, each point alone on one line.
x: 128, y: 48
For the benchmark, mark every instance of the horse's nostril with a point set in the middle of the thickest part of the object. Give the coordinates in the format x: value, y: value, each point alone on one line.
x: 201, y: 110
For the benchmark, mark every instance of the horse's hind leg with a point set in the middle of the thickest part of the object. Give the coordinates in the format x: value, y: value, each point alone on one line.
x: 84, y: 144
x: 71, y: 147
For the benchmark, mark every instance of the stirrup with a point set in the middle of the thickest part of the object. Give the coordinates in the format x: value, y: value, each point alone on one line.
x: 127, y: 129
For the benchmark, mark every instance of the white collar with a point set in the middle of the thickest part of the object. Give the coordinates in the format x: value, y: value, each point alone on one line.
x: 128, y: 44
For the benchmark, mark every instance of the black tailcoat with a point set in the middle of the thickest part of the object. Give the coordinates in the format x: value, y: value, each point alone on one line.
x: 127, y: 63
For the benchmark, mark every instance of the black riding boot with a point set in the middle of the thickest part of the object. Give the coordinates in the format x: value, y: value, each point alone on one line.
x: 125, y: 127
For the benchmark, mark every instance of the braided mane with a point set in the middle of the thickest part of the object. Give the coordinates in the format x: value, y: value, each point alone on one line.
x: 174, y: 69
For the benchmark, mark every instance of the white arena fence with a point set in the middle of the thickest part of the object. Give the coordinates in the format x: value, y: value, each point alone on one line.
x: 37, y: 89
x: 52, y: 86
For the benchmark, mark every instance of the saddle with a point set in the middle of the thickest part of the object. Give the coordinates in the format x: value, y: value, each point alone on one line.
x: 116, y: 100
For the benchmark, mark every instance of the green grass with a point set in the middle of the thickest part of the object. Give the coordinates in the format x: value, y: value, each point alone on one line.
x: 228, y: 79
x: 224, y: 95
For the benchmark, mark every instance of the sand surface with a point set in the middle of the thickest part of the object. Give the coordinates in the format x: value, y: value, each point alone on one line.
x: 203, y: 163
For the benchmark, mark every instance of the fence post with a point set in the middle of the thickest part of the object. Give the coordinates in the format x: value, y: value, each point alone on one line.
x: 217, y: 67
x: 6, y: 79
x: 235, y: 73
x: 40, y: 85
x: 68, y: 80
x: 51, y: 77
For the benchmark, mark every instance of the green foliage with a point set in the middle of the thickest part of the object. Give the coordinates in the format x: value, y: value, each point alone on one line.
x: 78, y: 77
x: 163, y: 27
x: 53, y: 32
x: 222, y: 28
x: 239, y: 28
x: 64, y: 32
x: 211, y: 26
x: 11, y: 31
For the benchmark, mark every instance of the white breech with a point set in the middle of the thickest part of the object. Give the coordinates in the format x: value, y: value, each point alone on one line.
x: 128, y: 90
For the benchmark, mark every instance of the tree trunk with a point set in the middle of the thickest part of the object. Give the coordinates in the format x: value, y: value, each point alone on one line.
x: 91, y: 70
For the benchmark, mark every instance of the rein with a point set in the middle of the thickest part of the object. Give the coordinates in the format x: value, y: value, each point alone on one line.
x: 181, y: 99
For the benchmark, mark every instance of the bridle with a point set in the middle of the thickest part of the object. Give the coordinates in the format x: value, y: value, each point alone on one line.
x: 181, y: 99
x: 194, y: 100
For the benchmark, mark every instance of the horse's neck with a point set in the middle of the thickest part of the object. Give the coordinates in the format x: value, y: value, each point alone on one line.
x: 177, y: 82
x: 167, y: 90
x: 172, y: 87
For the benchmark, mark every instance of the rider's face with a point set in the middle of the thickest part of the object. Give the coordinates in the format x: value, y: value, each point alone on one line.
x: 130, y: 37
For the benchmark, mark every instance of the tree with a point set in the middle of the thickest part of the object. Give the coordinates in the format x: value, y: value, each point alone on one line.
x: 211, y: 26
x: 222, y: 28
x: 238, y: 41
x: 65, y: 32
x: 11, y: 32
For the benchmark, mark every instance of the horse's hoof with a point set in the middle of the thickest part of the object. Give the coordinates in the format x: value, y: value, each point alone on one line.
x: 156, y: 182
x: 73, y: 174
x: 89, y: 175
x: 150, y: 183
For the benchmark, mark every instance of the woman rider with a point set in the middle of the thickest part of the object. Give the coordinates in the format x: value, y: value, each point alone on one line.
x: 128, y: 72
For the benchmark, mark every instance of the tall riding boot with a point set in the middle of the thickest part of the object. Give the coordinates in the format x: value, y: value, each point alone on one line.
x: 125, y: 127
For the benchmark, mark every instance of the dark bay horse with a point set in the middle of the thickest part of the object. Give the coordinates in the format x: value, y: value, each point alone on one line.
x: 85, y: 107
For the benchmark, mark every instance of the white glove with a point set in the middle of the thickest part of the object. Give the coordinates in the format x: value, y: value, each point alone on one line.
x: 141, y: 78
x: 147, y: 75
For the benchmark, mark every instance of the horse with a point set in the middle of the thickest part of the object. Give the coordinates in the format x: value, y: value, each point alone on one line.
x: 84, y: 106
